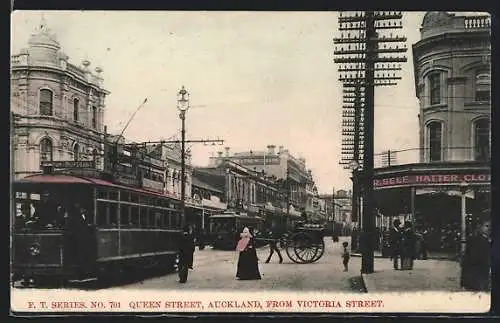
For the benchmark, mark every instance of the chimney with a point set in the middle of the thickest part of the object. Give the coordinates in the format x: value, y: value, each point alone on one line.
x: 270, y: 149
x: 227, y: 151
x: 280, y: 149
x: 219, y: 153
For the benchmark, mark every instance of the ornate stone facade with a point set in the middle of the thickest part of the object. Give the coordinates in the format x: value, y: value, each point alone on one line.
x: 452, y: 81
x: 57, y: 108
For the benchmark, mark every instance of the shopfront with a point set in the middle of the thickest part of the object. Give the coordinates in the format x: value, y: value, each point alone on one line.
x: 430, y: 196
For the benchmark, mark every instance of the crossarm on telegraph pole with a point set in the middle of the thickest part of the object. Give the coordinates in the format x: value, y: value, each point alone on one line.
x: 367, y: 58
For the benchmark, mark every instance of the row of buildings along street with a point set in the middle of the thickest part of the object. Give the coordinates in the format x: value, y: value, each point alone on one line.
x: 58, y: 111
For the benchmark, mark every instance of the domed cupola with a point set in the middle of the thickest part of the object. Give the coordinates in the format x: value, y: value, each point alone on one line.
x: 43, y: 46
x: 436, y: 22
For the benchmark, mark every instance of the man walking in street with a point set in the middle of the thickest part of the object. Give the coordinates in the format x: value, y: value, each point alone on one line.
x: 396, y: 238
x: 185, y: 254
x: 273, y: 244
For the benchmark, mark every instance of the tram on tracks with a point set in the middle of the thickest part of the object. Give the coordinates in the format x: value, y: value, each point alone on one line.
x: 225, y: 228
x: 69, y: 227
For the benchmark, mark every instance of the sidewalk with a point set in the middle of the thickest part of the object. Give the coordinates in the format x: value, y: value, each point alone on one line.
x: 430, y: 255
x: 427, y: 275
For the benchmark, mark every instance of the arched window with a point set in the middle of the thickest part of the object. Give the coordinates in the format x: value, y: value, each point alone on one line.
x: 94, y: 117
x: 483, y: 87
x: 482, y: 139
x: 76, y: 104
x: 435, y: 139
x: 45, y: 102
x: 435, y: 88
x: 45, y: 149
x: 76, y: 152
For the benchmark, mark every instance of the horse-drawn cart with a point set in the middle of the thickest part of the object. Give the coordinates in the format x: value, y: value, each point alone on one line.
x: 304, y: 245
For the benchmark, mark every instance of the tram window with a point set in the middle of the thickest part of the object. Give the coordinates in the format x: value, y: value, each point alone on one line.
x: 125, y: 215
x: 134, y: 216
x: 102, y: 194
x: 166, y: 219
x: 134, y: 198
x: 143, y: 219
x: 124, y: 196
x: 21, y: 195
x: 157, y: 219
x: 151, y: 217
x: 102, y: 209
x: 160, y: 218
x: 113, y: 216
x: 173, y: 220
x: 113, y: 195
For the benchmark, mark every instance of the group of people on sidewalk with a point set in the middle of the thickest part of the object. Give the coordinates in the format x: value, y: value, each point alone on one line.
x: 403, y: 242
x: 475, y: 262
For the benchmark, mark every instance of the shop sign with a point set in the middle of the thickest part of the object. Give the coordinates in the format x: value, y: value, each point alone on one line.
x: 69, y: 163
x: 154, y: 185
x: 119, y: 179
x: 430, y: 179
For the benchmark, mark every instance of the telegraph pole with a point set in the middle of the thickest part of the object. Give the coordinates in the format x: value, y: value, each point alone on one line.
x: 362, y: 52
x: 388, y: 158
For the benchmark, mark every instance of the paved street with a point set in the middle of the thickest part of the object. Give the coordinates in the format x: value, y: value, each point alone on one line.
x: 214, y: 269
x: 427, y: 275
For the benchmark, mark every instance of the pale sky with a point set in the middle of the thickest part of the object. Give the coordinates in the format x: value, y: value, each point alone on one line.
x: 260, y: 77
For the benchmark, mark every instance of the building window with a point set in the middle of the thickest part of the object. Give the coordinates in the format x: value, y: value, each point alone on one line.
x: 95, y: 156
x: 76, y: 152
x: 94, y: 117
x: 45, y: 149
x: 483, y: 87
x: 45, y: 102
x: 482, y: 140
x: 76, y: 103
x: 435, y: 88
x: 435, y: 138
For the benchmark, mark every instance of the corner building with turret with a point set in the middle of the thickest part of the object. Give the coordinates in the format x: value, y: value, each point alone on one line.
x: 449, y: 185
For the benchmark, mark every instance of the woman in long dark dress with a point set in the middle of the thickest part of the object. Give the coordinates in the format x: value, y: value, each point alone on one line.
x: 248, y: 267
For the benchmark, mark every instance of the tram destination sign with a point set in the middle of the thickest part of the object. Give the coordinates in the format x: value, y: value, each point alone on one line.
x: 69, y: 164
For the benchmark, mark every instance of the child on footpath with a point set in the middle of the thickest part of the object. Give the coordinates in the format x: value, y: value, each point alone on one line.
x: 345, y: 255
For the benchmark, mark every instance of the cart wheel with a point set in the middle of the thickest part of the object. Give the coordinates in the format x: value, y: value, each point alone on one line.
x: 290, y: 251
x: 320, y: 250
x: 306, y: 250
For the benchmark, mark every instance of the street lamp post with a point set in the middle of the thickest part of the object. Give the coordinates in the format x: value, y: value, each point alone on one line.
x: 463, y: 233
x: 183, y: 106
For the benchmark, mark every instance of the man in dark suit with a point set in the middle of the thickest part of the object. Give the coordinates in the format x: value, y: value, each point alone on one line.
x: 476, y: 262
x: 396, y: 238
x: 186, y: 248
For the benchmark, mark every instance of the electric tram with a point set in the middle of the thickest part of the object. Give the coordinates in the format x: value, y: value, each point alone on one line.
x: 71, y: 227
x: 225, y: 228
